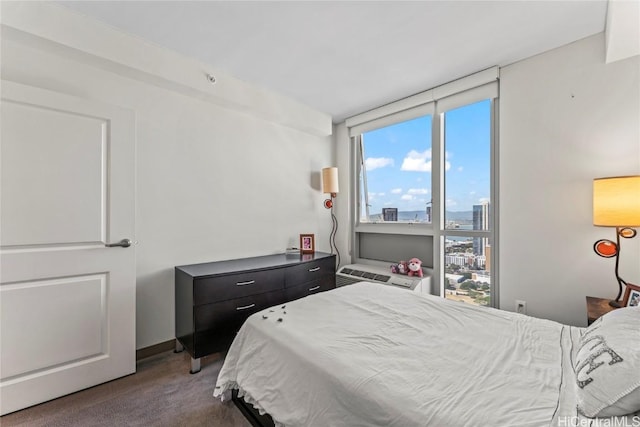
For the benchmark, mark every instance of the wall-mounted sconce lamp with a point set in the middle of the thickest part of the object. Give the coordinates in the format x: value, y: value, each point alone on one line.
x: 616, y: 203
x: 330, y: 186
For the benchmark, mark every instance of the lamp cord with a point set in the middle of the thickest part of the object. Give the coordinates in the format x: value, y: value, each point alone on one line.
x: 332, y: 238
x: 620, y: 280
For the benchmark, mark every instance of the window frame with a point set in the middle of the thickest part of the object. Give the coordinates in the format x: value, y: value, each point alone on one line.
x: 389, y: 227
x: 441, y: 232
x: 480, y: 86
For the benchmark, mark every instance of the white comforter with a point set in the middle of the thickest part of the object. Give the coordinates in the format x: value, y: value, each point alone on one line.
x: 373, y: 355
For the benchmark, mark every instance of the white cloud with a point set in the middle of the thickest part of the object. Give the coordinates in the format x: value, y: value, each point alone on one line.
x: 460, y: 168
x: 418, y: 191
x: 407, y: 197
x: 450, y: 202
x: 485, y: 200
x: 396, y: 191
x: 377, y: 162
x: 416, y: 161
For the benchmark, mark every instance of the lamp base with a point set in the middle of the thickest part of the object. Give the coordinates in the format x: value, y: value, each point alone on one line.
x: 614, y: 303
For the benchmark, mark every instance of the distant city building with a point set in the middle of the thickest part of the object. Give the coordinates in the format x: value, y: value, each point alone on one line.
x: 428, y: 214
x: 481, y: 214
x: 481, y: 261
x: 390, y: 214
x: 466, y: 260
x: 487, y: 256
x: 462, y: 260
x: 481, y: 277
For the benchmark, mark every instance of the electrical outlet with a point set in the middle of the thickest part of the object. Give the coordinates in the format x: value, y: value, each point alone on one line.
x: 521, y: 306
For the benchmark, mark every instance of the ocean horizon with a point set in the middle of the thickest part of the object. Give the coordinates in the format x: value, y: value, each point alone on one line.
x: 421, y: 216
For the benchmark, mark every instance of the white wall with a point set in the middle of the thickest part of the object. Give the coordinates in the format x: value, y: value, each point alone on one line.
x: 212, y: 182
x: 343, y: 200
x: 622, y: 30
x: 566, y: 117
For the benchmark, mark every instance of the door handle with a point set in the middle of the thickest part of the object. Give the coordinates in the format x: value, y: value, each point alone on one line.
x: 124, y: 243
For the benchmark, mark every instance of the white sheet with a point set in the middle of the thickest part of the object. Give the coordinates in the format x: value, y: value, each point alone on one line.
x: 373, y: 355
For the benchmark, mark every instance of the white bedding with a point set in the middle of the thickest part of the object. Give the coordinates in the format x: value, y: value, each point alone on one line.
x: 373, y: 355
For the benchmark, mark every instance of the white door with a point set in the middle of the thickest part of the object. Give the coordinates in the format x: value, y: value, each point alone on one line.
x: 67, y: 302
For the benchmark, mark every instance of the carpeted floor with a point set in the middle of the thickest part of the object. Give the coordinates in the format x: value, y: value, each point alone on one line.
x: 160, y: 393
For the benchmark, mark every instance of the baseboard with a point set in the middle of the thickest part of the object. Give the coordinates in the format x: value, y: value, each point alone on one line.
x: 155, y: 349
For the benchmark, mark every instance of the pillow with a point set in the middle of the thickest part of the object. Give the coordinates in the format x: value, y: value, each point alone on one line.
x: 607, y: 365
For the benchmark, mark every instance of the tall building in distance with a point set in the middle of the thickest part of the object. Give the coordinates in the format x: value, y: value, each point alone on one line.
x: 481, y: 222
x: 390, y: 214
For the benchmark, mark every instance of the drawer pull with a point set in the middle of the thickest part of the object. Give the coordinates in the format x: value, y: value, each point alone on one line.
x: 250, y: 282
x: 311, y: 270
x: 314, y: 288
x: 245, y: 307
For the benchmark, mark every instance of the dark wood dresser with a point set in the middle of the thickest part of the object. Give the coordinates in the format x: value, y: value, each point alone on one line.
x: 214, y: 299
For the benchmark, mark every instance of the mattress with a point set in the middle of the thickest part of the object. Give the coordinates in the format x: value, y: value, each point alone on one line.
x: 373, y: 355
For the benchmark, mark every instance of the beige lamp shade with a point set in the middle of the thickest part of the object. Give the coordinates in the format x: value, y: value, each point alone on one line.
x: 330, y: 180
x: 616, y: 201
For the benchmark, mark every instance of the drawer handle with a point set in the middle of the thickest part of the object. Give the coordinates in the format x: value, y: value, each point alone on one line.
x: 250, y: 282
x: 311, y: 270
x: 245, y: 307
x: 314, y: 288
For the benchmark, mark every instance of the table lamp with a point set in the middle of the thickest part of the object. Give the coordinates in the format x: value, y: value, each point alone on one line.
x: 616, y: 203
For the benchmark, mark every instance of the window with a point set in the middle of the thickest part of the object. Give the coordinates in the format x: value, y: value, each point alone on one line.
x: 467, y: 201
x: 395, y: 172
x: 425, y: 180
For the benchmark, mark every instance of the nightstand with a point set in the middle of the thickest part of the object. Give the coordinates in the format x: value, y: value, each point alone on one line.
x: 597, y: 307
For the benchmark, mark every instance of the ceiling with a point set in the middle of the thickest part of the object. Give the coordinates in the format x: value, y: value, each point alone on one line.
x: 347, y: 57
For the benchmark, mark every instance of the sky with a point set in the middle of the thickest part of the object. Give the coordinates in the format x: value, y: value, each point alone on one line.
x: 398, y: 161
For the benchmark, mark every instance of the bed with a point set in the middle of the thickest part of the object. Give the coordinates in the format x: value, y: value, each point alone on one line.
x: 373, y: 355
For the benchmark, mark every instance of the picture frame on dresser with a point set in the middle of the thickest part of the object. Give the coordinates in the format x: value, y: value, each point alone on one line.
x: 631, y: 296
x: 307, y: 243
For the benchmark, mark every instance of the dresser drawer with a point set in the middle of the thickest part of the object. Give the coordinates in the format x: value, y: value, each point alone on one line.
x: 222, y: 288
x: 309, y: 271
x: 232, y: 313
x: 324, y: 284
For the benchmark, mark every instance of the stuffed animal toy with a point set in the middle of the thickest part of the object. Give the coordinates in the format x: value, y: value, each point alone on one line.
x: 415, y: 267
x: 403, y: 267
